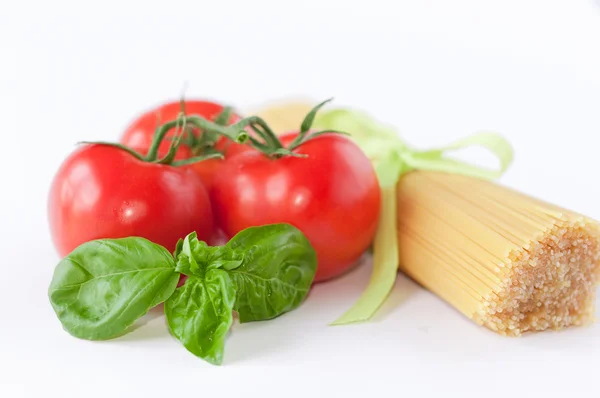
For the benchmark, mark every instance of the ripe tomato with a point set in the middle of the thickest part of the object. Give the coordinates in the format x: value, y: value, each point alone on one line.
x: 140, y: 132
x: 104, y: 192
x: 332, y: 196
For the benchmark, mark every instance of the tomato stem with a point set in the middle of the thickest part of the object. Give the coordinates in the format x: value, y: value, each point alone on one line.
x: 272, y: 146
x: 181, y: 129
x: 206, y: 140
x: 295, y: 144
x: 196, y: 159
x: 208, y: 128
x: 223, y: 117
x: 307, y: 124
x: 168, y: 159
x: 199, y: 141
x: 125, y: 148
x: 264, y: 131
x: 232, y: 132
x: 158, y: 138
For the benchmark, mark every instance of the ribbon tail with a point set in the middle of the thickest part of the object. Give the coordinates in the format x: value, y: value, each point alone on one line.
x: 385, y: 263
x: 436, y: 160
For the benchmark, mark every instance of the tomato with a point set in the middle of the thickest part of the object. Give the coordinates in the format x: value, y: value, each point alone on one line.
x: 140, y: 132
x: 104, y: 192
x: 331, y: 195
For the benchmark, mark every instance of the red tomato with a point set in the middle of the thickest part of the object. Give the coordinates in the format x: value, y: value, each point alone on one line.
x: 209, y: 169
x: 140, y: 132
x: 105, y: 192
x: 332, y: 196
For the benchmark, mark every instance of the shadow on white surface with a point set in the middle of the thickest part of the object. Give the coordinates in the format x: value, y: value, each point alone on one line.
x: 341, y: 293
x: 150, y: 327
x: 404, y: 288
x: 258, y: 340
x: 575, y: 340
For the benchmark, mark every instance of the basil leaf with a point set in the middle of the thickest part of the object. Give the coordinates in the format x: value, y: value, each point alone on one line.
x: 178, y: 248
x: 195, y: 257
x: 200, y: 312
x: 278, y: 267
x: 104, y: 286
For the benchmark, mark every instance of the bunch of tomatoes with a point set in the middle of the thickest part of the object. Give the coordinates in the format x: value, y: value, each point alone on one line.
x: 180, y: 168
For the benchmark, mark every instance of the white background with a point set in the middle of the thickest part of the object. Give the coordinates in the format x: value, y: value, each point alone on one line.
x: 438, y: 70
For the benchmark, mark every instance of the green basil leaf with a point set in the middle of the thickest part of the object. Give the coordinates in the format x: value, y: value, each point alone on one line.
x: 195, y: 257
x: 278, y: 267
x: 200, y: 312
x: 104, y: 286
x: 178, y: 248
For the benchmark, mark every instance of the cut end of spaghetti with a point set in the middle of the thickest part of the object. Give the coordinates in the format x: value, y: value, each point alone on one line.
x: 552, y: 284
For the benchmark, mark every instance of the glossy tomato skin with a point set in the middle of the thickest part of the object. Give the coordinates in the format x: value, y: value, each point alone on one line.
x: 332, y: 196
x: 140, y: 132
x: 104, y: 192
x: 209, y: 170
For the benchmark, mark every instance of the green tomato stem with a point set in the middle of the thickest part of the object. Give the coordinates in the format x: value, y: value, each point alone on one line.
x: 272, y: 146
x: 232, y: 132
x: 197, y: 159
x: 175, y: 143
x: 262, y: 129
x: 208, y: 138
x: 158, y: 138
x: 115, y: 145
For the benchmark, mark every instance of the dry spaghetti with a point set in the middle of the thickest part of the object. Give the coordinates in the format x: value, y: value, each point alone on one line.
x: 508, y: 261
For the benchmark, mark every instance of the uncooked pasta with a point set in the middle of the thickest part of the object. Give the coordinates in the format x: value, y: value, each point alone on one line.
x: 506, y: 260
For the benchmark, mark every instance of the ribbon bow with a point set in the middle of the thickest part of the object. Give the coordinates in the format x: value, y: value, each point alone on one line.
x: 391, y: 158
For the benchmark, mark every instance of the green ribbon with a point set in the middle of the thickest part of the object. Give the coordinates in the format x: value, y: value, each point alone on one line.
x: 391, y: 158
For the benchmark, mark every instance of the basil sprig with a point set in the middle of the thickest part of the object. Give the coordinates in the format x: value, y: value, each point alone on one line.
x: 101, y: 288
x: 275, y: 273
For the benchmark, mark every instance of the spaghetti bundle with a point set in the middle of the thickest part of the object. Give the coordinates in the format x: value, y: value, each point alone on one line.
x: 507, y: 261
